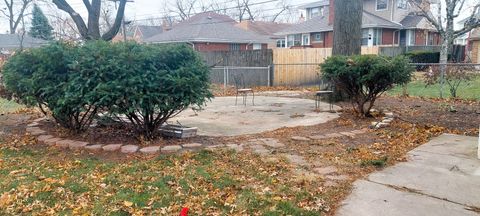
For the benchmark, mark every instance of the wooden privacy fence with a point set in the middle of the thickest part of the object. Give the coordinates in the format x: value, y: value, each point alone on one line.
x: 300, y: 67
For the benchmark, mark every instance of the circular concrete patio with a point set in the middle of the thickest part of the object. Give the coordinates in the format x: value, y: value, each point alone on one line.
x: 222, y: 118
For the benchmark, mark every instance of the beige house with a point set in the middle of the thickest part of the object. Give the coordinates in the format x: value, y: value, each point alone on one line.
x: 475, y: 46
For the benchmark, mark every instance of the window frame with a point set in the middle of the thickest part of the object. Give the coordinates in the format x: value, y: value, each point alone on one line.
x: 235, y: 47
x: 307, y: 42
x: 403, y: 3
x: 386, y: 5
x: 316, y: 39
x: 281, y: 43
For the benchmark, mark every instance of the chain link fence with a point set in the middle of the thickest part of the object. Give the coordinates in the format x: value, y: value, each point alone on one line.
x: 250, y: 76
x: 452, y: 80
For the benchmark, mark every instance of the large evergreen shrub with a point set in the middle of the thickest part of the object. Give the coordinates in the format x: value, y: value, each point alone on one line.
x: 364, y: 78
x: 146, y: 84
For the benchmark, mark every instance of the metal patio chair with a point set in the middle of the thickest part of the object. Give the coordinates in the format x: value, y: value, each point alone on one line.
x: 242, y: 89
x: 324, y: 91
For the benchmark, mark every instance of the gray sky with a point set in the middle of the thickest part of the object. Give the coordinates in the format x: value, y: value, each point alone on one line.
x: 143, y: 9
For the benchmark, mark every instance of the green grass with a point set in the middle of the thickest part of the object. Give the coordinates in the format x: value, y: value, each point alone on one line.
x: 419, y: 89
x: 7, y: 106
x: 44, y: 181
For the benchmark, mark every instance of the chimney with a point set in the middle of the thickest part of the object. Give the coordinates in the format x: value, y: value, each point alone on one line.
x: 302, y: 18
x: 331, y: 12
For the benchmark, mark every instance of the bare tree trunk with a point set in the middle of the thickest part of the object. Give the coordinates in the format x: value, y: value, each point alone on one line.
x: 347, y: 27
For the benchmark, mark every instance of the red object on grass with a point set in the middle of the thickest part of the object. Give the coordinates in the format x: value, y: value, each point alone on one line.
x: 184, y: 212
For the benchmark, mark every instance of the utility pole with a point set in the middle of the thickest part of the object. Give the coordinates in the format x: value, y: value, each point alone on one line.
x: 124, y: 31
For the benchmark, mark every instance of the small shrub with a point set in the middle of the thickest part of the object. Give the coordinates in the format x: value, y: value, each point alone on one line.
x: 454, y: 77
x: 364, y: 78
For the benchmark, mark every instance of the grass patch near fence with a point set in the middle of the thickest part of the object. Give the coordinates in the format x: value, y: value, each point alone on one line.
x: 7, y: 106
x: 470, y: 90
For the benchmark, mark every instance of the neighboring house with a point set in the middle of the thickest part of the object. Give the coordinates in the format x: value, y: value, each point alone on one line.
x: 12, y: 42
x: 461, y: 40
x: 142, y: 32
x: 212, y: 32
x: 266, y: 28
x: 475, y: 46
x: 384, y: 23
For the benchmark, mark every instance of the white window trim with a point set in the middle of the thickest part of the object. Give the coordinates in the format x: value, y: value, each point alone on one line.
x: 376, y: 6
x: 406, y: 5
x: 309, y: 42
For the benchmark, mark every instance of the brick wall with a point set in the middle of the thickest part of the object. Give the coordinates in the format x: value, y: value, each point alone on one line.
x: 420, y: 37
x: 475, y: 52
x: 387, y: 36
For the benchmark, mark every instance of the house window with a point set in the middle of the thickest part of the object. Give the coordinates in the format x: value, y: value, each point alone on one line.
x: 314, y: 12
x: 365, y: 37
x: 257, y: 46
x: 410, y: 37
x: 382, y: 4
x: 281, y: 43
x: 377, y: 37
x: 306, y: 39
x: 402, y: 4
x: 318, y: 37
x: 430, y: 38
x: 235, y: 46
x: 294, y: 40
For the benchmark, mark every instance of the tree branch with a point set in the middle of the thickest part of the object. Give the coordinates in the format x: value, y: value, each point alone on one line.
x: 110, y: 34
x: 81, y: 26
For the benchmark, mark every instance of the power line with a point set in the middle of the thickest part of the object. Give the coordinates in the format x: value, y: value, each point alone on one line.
x: 217, y: 10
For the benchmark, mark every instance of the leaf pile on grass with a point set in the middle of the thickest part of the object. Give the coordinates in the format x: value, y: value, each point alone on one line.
x: 400, y: 138
x: 47, y: 182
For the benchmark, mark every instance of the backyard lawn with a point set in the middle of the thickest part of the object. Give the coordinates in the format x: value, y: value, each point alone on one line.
x: 42, y: 182
x: 470, y: 90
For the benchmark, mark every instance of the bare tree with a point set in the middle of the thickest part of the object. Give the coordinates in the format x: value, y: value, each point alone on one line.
x: 284, y: 7
x: 184, y: 8
x: 91, y: 31
x: 14, y: 11
x: 64, y: 28
x: 445, y: 25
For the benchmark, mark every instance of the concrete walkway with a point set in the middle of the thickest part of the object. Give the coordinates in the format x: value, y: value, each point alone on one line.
x: 441, y: 177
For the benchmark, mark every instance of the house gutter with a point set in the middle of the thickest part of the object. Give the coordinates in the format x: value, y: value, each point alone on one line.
x: 191, y: 43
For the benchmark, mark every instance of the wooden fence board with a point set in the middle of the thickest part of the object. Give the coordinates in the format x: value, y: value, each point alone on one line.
x: 295, y: 67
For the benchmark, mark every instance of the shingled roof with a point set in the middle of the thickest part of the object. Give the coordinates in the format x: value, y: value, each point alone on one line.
x: 149, y: 31
x: 208, y: 27
x: 263, y: 28
x: 321, y: 24
x: 13, y: 41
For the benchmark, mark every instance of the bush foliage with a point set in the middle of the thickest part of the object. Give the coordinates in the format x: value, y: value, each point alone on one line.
x: 146, y: 84
x: 364, y: 78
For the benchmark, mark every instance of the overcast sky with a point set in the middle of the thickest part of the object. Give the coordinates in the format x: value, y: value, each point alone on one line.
x: 143, y: 9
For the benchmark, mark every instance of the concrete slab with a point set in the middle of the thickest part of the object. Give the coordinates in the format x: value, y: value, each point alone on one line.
x: 222, y: 118
x: 372, y: 199
x: 440, y: 178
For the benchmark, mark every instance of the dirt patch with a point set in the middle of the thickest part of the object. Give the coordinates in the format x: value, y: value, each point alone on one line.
x: 460, y: 115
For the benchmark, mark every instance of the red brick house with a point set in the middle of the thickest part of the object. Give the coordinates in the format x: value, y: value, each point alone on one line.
x: 212, y: 32
x: 384, y: 23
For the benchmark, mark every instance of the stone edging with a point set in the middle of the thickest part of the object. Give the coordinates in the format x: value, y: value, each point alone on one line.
x: 389, y: 117
x: 44, y: 138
